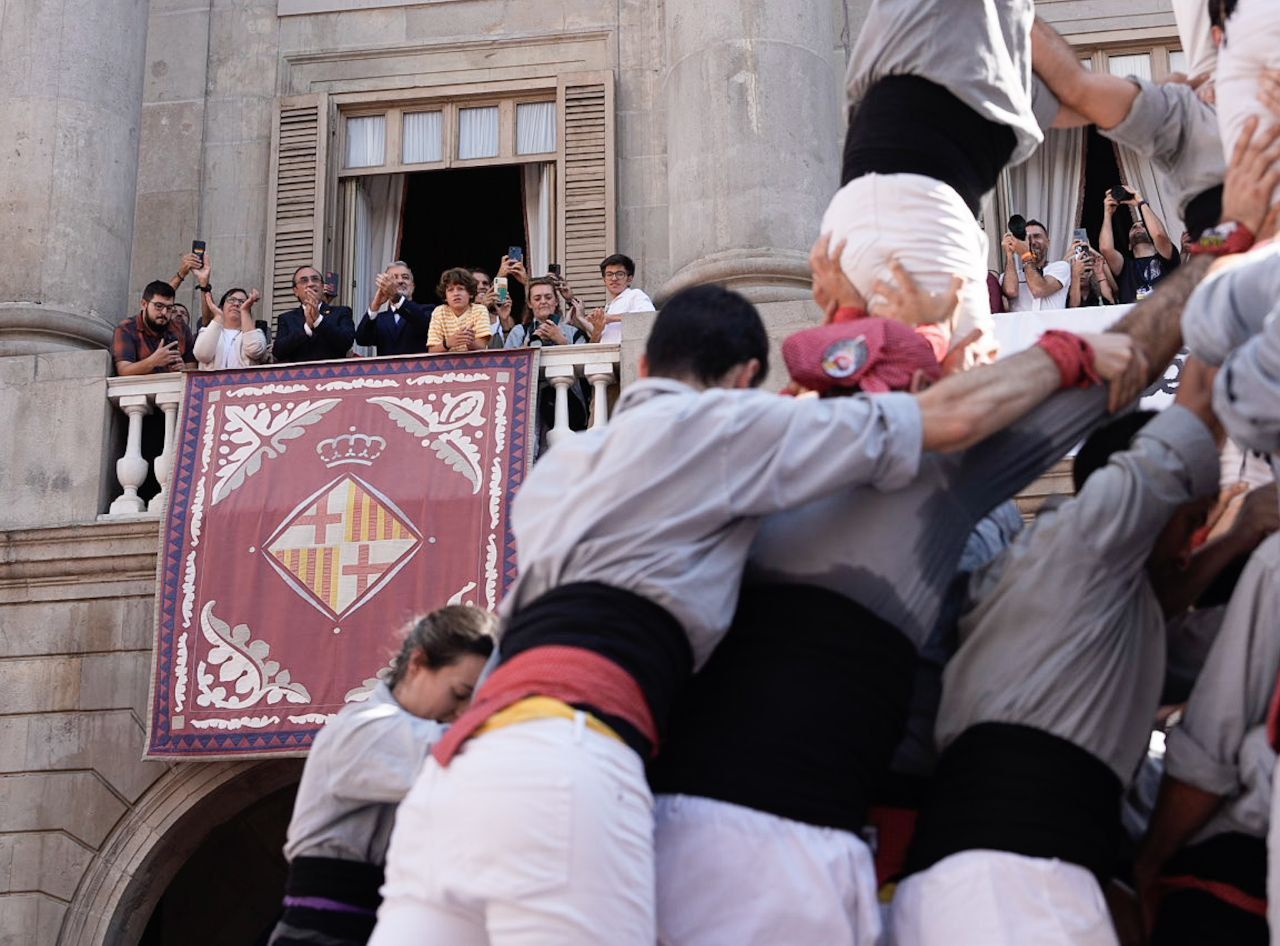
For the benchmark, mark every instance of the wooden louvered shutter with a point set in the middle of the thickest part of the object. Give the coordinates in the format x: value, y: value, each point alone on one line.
x: 586, y: 182
x: 295, y: 219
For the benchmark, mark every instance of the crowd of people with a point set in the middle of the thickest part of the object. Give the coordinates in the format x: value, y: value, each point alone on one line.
x: 792, y: 668
x: 472, y: 315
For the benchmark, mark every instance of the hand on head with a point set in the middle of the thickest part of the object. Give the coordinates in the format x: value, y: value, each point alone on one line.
x: 1252, y: 177
x: 832, y: 289
x: 904, y: 301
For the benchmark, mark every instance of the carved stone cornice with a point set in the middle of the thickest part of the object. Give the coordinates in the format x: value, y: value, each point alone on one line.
x: 101, y: 559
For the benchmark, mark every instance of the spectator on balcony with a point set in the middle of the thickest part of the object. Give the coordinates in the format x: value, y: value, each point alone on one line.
x: 544, y: 324
x: 394, y: 324
x: 361, y: 765
x: 315, y: 330
x: 487, y: 297
x: 153, y: 341
x: 1030, y: 283
x: 1152, y: 255
x: 618, y: 272
x: 229, y: 338
x: 460, y: 324
x: 1091, y: 281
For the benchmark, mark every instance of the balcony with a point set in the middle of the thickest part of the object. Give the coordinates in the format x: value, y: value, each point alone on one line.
x: 559, y: 366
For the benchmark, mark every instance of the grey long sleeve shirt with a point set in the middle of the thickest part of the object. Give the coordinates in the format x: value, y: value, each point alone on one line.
x: 1067, y: 635
x: 361, y: 765
x: 980, y: 50
x: 896, y: 553
x: 1233, y: 304
x: 1221, y: 744
x: 667, y: 498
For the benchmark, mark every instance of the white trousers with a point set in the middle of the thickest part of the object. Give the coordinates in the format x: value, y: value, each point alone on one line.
x: 1253, y: 42
x: 733, y: 876
x: 536, y: 834
x: 923, y: 224
x: 993, y: 898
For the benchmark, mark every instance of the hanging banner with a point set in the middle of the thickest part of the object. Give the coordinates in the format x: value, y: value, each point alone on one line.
x: 315, y: 510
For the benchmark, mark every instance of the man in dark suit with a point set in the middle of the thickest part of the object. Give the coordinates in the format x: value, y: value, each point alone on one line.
x: 394, y: 324
x: 315, y: 331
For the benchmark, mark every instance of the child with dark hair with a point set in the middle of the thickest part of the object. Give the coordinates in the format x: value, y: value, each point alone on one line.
x: 361, y: 764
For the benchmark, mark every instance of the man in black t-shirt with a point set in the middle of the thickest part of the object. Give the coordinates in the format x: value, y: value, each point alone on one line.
x: 1152, y: 255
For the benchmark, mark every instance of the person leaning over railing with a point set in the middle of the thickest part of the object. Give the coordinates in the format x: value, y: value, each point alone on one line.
x: 229, y: 338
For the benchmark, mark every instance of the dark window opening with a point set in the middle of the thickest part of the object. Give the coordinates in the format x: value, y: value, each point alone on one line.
x: 461, y: 217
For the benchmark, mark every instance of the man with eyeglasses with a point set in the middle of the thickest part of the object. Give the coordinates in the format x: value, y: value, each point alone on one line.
x: 153, y: 341
x: 618, y: 272
x: 315, y: 330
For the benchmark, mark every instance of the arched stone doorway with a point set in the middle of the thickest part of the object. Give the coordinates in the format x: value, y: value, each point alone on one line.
x: 202, y: 845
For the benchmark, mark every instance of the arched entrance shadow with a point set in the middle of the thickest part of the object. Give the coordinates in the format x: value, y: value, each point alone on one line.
x: 144, y: 852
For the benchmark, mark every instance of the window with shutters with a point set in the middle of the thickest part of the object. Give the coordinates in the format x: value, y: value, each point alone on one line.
x: 331, y: 204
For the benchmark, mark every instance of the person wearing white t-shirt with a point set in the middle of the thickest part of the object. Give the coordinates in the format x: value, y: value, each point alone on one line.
x: 1030, y: 283
x: 618, y: 272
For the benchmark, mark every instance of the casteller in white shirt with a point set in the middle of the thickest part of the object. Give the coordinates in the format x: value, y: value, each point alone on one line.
x: 629, y: 300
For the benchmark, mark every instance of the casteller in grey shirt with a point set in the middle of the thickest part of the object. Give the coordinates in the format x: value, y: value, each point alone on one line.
x: 361, y: 765
x: 1221, y: 744
x: 668, y: 497
x: 979, y: 50
x: 1067, y: 635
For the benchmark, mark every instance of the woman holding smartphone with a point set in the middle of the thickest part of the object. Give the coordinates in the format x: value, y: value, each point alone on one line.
x: 361, y: 765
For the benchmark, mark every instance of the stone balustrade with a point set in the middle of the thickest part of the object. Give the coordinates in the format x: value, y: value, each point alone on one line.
x: 560, y: 366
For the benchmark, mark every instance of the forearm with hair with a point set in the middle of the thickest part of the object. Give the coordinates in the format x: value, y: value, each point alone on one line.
x: 1098, y: 97
x: 1009, y: 278
x: 1155, y: 323
x: 965, y: 408
x: 1039, y: 284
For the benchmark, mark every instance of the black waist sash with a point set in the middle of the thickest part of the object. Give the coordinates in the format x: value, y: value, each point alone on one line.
x: 641, y: 637
x: 329, y: 899
x: 909, y: 125
x: 797, y: 712
x: 1013, y: 788
x: 331, y: 878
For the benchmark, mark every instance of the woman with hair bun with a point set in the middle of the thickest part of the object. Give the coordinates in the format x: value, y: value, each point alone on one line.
x: 361, y: 765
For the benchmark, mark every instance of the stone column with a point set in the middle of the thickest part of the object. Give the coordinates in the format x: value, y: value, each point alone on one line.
x: 70, y: 100
x: 753, y: 141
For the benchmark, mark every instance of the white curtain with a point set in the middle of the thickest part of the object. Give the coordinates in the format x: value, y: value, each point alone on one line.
x: 379, y: 200
x: 367, y: 141
x: 538, y: 187
x: 423, y: 137
x: 536, y: 128
x: 478, y: 132
x: 1048, y: 186
x: 1137, y: 171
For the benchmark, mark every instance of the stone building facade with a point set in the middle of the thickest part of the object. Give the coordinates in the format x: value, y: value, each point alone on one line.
x: 700, y: 137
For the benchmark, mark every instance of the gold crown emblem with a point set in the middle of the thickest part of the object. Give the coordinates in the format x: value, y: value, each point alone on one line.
x: 352, y: 447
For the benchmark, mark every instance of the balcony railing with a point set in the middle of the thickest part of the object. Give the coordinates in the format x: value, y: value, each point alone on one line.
x: 559, y: 366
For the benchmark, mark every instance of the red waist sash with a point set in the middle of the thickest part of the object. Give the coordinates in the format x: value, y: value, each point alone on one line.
x: 574, y: 675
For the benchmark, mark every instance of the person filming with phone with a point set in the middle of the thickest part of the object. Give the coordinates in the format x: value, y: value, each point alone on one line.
x: 153, y: 341
x: 1152, y: 255
x: 1091, y: 281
